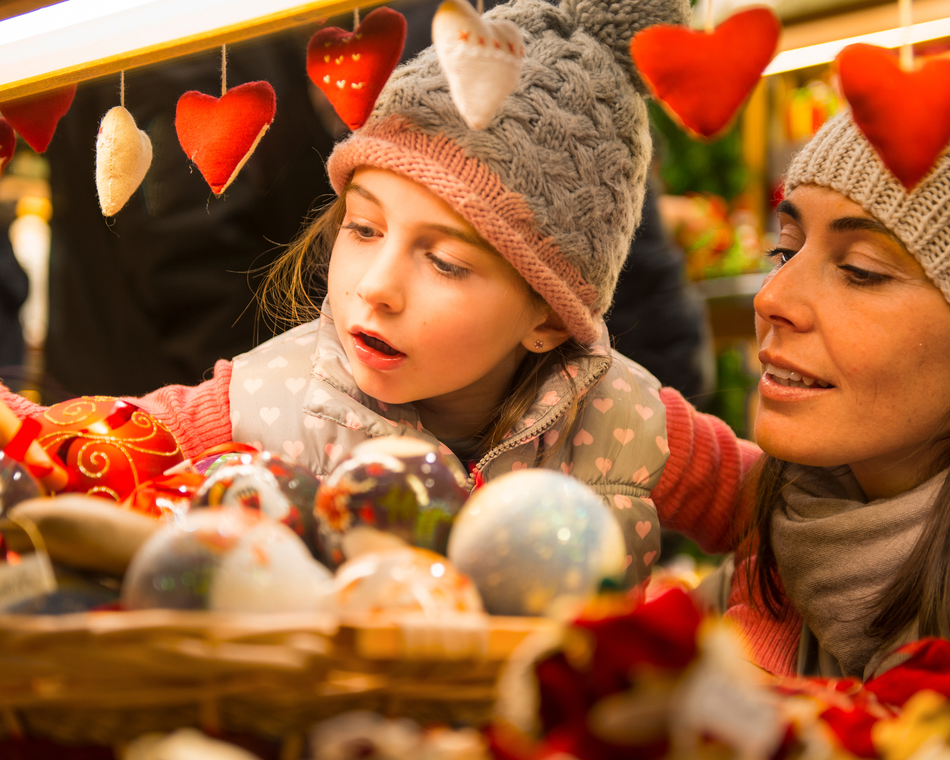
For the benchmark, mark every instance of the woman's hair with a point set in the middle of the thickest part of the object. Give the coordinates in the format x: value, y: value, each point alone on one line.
x: 292, y: 290
x: 920, y: 590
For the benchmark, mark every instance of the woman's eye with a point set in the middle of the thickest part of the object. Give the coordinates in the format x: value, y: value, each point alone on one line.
x: 857, y: 276
x: 783, y: 255
x: 447, y: 268
x: 360, y: 231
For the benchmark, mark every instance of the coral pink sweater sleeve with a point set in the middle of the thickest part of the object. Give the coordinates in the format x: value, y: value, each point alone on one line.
x: 701, y: 492
x: 198, y: 417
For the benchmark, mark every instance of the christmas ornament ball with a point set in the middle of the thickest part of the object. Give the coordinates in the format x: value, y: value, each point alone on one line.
x: 531, y: 536
x: 230, y: 559
x: 109, y: 446
x: 281, y: 489
x: 404, y: 579
x: 398, y: 485
x: 16, y: 483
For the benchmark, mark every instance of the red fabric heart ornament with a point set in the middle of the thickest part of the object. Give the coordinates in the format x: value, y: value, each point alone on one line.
x: 352, y: 67
x: 220, y: 134
x: 905, y: 115
x: 35, y: 117
x: 7, y: 143
x: 703, y: 78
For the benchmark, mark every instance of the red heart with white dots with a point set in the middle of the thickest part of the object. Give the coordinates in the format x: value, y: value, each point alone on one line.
x: 220, y: 134
x: 7, y: 143
x: 703, y: 78
x: 351, y: 68
x: 905, y: 115
x: 35, y: 117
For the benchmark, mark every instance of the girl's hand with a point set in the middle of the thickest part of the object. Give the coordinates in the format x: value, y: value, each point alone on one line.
x: 53, y: 476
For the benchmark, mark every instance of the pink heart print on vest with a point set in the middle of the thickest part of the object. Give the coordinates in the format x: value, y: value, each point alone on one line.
x: 662, y: 444
x: 603, y: 464
x: 624, y: 435
x: 294, y: 384
x: 644, y: 411
x: 252, y: 385
x: 293, y: 449
x: 583, y: 438
x: 602, y: 405
x: 648, y: 558
x: 643, y: 528
x: 270, y: 414
x: 622, y: 502
x: 277, y: 363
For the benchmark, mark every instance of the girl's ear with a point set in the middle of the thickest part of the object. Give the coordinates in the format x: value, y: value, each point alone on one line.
x: 549, y: 334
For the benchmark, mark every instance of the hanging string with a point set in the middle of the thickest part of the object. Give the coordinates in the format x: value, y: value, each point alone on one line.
x: 356, y: 19
x: 907, y: 49
x: 710, y: 25
x: 480, y: 6
x: 224, y: 70
x: 122, y: 88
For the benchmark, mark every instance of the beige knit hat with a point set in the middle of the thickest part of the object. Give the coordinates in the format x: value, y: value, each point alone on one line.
x: 555, y: 181
x: 839, y: 157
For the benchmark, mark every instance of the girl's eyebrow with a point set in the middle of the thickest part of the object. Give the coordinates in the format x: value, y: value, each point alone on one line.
x: 466, y: 237
x: 363, y: 193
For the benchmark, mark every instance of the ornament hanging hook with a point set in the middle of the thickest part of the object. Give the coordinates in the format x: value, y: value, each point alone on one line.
x: 224, y: 70
x: 122, y: 88
x: 356, y: 19
x: 907, y: 48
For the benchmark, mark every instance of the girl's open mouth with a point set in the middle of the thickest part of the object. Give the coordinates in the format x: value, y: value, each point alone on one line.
x: 376, y: 353
x: 379, y: 345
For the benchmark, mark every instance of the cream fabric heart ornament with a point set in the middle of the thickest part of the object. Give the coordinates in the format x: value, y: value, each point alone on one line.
x: 481, y: 59
x: 123, y: 155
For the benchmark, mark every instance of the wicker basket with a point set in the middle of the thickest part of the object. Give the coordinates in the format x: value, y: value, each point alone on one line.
x: 108, y: 677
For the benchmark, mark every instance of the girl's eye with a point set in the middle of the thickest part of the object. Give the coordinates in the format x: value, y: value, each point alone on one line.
x: 360, y: 231
x: 784, y: 255
x: 447, y: 268
x: 857, y: 276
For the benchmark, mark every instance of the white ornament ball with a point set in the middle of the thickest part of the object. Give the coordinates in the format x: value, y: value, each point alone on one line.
x: 532, y: 536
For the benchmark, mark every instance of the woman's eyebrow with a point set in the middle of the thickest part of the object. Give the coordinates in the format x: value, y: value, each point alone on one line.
x: 787, y: 207
x: 860, y: 224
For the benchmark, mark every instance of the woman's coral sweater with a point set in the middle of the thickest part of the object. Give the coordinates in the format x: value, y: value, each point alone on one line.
x: 700, y: 493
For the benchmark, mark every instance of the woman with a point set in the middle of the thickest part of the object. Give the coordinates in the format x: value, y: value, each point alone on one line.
x: 848, y: 550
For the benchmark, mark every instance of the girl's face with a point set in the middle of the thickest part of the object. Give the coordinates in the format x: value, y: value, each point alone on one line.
x: 866, y: 337
x: 425, y: 310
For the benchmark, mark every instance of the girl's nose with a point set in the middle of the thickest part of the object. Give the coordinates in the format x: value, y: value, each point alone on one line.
x: 382, y: 282
x: 783, y: 300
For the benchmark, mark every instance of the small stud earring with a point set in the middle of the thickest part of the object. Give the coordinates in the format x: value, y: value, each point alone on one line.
x: 539, y: 344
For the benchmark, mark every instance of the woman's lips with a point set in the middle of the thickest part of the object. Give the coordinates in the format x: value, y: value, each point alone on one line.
x: 771, y: 388
x: 375, y: 352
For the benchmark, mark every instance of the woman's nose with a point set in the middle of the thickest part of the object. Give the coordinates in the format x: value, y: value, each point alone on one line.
x: 783, y: 299
x: 382, y: 284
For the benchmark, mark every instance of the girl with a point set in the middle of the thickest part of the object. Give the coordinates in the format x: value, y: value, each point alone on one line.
x: 849, y: 550
x: 468, y: 272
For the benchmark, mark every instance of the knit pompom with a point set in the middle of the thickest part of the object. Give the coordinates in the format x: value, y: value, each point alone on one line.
x: 614, y: 23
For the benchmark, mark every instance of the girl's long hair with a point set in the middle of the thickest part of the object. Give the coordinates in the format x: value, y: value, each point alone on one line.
x: 919, y: 591
x: 294, y: 285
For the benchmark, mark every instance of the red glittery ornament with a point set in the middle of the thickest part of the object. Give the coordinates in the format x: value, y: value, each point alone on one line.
x: 107, y: 445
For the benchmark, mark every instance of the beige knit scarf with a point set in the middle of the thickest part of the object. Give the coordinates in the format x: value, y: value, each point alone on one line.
x: 836, y: 552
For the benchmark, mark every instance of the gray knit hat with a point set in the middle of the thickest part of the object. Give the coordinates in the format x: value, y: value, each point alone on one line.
x: 556, y: 180
x: 839, y: 157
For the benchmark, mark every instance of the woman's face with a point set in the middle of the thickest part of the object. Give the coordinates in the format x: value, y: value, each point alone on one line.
x: 425, y: 311
x: 866, y: 337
